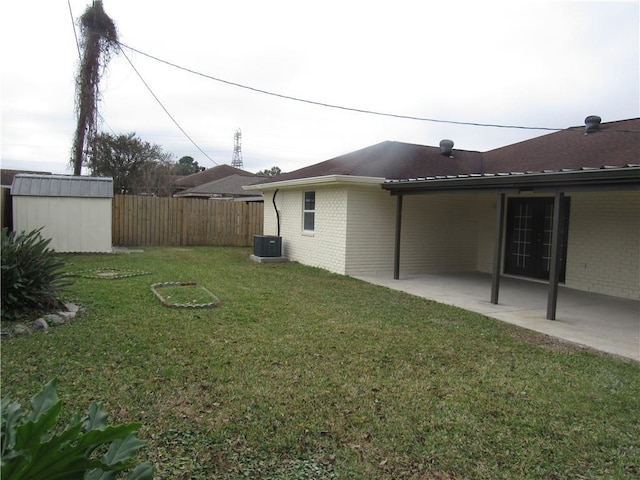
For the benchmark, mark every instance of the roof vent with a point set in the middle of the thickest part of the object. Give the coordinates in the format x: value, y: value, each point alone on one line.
x: 592, y: 122
x: 446, y: 146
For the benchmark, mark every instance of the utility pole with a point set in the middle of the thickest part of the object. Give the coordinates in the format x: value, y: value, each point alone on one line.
x: 236, y: 160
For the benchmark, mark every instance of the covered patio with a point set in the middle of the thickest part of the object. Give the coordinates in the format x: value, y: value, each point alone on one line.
x: 606, y: 323
x: 556, y: 183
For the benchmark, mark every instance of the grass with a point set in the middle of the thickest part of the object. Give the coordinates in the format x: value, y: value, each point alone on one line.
x: 303, y: 374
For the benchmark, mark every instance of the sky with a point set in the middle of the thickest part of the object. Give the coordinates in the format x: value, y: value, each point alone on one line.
x: 520, y: 63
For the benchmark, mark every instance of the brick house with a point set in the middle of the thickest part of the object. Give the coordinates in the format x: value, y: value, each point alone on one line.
x: 396, y: 208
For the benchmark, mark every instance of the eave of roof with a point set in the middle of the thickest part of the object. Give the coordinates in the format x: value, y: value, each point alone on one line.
x: 317, y: 181
x: 625, y: 177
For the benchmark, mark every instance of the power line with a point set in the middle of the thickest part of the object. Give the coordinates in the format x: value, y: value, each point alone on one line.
x: 75, y: 34
x: 339, y: 107
x: 165, y: 109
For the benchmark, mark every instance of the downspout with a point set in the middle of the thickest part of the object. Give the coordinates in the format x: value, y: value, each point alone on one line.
x: 273, y: 200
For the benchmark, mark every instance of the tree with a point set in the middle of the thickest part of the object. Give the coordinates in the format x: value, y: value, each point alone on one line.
x: 186, y: 166
x: 136, y: 166
x: 98, y: 38
x: 270, y: 172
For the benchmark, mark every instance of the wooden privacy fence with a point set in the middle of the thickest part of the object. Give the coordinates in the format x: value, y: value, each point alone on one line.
x: 140, y: 220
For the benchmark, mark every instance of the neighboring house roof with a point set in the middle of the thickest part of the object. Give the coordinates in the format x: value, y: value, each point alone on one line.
x: 61, y: 186
x: 230, y: 186
x: 6, y: 175
x: 614, y: 144
x: 209, y: 175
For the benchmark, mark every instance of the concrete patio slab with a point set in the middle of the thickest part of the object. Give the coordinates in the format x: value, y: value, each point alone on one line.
x: 609, y: 324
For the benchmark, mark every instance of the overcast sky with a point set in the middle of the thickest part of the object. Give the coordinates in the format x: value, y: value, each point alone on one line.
x: 538, y: 64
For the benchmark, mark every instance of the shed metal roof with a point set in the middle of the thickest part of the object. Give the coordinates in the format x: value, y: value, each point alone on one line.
x: 62, y: 186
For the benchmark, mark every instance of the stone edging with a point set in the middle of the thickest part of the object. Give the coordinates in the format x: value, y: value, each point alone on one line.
x: 110, y: 273
x: 166, y: 303
x: 43, y: 323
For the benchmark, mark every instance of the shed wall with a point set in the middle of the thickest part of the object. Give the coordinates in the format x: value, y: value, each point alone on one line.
x: 72, y: 224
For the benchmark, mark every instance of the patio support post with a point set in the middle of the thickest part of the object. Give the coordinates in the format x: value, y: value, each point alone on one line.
x: 396, y: 255
x: 554, y: 268
x: 497, y: 254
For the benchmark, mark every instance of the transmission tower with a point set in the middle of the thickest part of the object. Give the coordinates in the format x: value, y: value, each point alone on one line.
x: 236, y: 160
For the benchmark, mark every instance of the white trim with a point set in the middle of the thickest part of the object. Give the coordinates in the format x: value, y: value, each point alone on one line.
x: 325, y: 179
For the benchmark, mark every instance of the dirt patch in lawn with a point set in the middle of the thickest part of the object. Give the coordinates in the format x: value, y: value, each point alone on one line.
x: 549, y: 342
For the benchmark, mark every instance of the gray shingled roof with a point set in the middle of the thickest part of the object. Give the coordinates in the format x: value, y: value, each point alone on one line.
x: 62, y: 186
x: 209, y: 175
x: 7, y: 175
x: 230, y: 186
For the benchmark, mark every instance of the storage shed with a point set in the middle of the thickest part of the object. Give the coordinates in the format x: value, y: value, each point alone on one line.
x: 74, y: 212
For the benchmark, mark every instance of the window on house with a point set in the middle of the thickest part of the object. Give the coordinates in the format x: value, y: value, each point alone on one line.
x: 309, y: 211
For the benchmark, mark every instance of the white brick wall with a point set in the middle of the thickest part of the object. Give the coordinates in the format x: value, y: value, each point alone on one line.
x: 270, y: 226
x: 324, y: 248
x: 603, y: 253
x: 439, y: 234
x: 485, y: 213
x: 370, y: 231
x: 355, y: 233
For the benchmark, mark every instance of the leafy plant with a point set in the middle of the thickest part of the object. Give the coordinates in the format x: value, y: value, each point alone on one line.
x: 31, y: 275
x: 31, y: 448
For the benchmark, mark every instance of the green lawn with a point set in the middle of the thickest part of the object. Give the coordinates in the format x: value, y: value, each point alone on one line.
x: 303, y: 374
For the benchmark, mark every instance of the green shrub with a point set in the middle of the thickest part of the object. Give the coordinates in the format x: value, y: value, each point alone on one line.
x: 31, y: 275
x: 33, y: 448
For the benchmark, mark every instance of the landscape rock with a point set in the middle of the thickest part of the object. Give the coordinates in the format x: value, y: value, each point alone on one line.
x: 72, y: 307
x: 43, y: 323
x: 40, y: 324
x: 20, y: 329
x: 53, y: 320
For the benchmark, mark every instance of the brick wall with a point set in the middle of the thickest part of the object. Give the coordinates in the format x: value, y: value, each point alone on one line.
x: 439, y: 234
x: 323, y: 248
x: 355, y: 232
x: 485, y: 216
x: 603, y: 253
x: 370, y: 231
